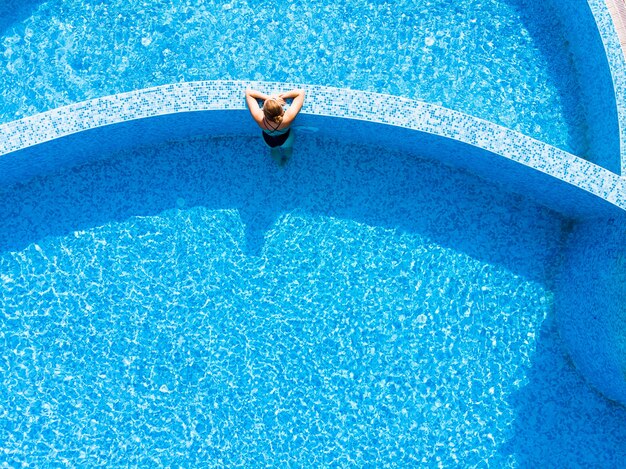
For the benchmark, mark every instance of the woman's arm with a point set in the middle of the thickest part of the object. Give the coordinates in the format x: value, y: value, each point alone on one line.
x: 296, y: 104
x: 253, y: 105
x: 257, y: 94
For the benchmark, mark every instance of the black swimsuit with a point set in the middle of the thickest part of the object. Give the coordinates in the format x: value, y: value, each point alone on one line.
x: 274, y: 141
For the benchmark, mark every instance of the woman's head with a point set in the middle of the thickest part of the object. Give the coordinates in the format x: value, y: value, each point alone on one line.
x: 273, y: 110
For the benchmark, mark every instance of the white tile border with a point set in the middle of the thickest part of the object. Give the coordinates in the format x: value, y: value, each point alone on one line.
x: 322, y: 101
x: 608, y: 16
x: 617, y: 9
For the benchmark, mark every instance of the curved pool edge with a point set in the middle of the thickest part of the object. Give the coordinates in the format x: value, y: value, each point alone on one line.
x: 616, y: 58
x: 565, y: 183
x: 590, y: 303
x: 517, y: 152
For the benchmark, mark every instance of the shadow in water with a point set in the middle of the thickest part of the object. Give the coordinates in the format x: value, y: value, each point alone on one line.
x: 366, y: 185
x: 258, y: 219
x: 538, y: 18
x: 560, y: 420
x: 578, y: 68
x: 15, y: 11
x: 556, y: 412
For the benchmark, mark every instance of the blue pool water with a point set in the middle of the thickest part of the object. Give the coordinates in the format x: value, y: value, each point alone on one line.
x: 192, y: 304
x: 506, y: 61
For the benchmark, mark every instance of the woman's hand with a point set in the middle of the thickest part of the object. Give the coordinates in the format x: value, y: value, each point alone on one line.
x: 254, y: 94
x: 279, y: 99
x: 292, y: 94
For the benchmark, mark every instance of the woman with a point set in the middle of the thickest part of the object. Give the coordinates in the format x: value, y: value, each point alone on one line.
x: 275, y: 120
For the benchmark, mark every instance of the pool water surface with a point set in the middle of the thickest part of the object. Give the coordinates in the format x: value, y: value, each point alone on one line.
x: 193, y: 303
x: 506, y: 61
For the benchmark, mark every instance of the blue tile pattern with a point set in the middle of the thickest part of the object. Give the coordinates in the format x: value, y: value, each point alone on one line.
x: 193, y: 304
x: 589, y: 296
x: 506, y: 62
x: 617, y: 64
x: 591, y: 304
x: 321, y: 101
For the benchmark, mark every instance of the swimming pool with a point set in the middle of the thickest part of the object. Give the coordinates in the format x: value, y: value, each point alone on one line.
x: 186, y: 302
x: 360, y: 307
x: 508, y: 62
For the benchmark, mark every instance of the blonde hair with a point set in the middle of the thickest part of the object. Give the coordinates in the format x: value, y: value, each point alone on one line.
x: 273, y: 111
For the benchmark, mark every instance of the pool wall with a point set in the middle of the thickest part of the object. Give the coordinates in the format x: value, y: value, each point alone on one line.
x: 597, y: 92
x: 614, y: 55
x: 590, y: 300
x: 591, y: 304
x: 81, y: 132
x: 590, y: 293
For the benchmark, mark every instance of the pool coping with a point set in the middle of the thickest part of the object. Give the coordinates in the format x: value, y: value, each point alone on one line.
x: 325, y: 101
x: 617, y: 9
x: 610, y: 19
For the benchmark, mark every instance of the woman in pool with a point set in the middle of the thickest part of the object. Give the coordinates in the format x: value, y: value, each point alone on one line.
x: 275, y: 119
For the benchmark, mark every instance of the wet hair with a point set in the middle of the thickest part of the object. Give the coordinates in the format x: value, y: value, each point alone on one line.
x: 273, y: 111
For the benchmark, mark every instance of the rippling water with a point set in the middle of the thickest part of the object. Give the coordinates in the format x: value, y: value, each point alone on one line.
x: 504, y: 61
x: 193, y: 304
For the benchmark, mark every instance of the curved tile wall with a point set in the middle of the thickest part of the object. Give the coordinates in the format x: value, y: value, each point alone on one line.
x: 591, y: 304
x: 592, y: 71
x: 22, y: 141
x: 591, y: 286
x: 617, y: 64
x: 590, y: 297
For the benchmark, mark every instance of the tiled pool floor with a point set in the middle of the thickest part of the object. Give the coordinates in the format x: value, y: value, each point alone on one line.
x: 195, y: 304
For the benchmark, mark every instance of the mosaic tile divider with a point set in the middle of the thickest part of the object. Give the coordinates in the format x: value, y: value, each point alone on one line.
x: 324, y: 101
x: 604, y: 12
x: 617, y: 9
